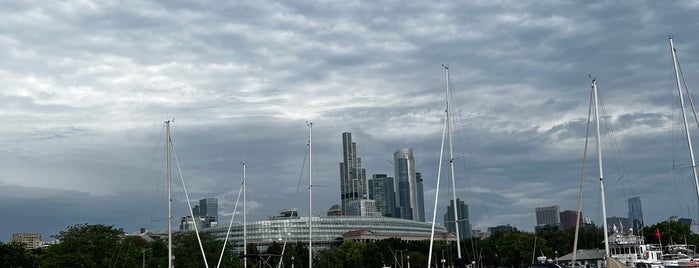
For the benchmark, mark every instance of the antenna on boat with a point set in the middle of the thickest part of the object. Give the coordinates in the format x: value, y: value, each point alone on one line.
x: 168, y: 145
x: 451, y: 167
x: 245, y: 224
x: 601, y: 172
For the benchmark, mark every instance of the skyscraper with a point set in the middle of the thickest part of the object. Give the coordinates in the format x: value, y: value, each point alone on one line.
x: 208, y: 207
x: 635, y: 213
x: 352, y: 175
x: 464, y: 224
x: 548, y: 216
x: 381, y: 190
x: 406, y: 185
x: 420, y: 197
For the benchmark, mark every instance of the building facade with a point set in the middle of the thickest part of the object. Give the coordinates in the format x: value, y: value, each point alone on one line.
x: 202, y: 222
x: 30, y: 240
x: 208, y: 207
x: 463, y: 222
x: 352, y: 175
x: 635, y: 213
x: 327, y: 231
x: 363, y: 207
x: 382, y: 192
x: 548, y: 216
x: 568, y: 218
x: 406, y: 185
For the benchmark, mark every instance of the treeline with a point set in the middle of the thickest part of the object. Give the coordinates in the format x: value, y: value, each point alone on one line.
x: 85, y: 245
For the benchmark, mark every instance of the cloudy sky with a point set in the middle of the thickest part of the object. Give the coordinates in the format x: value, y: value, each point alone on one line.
x: 87, y: 85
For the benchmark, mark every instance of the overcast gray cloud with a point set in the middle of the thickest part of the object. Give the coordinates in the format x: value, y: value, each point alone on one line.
x: 86, y: 86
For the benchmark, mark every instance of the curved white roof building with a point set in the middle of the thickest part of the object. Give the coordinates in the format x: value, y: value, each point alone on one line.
x: 326, y: 230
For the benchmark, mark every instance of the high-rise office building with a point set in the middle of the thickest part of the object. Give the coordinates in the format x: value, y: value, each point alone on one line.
x: 352, y: 175
x: 635, y: 213
x: 381, y: 190
x: 208, y: 207
x: 406, y: 185
x: 464, y: 224
x: 548, y: 216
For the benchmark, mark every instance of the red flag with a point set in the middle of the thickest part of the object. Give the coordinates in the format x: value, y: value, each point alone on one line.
x: 657, y: 233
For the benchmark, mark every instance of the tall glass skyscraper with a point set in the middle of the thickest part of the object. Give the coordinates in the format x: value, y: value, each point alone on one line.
x: 381, y: 190
x: 635, y: 213
x: 464, y: 224
x: 352, y: 175
x: 406, y: 185
x: 208, y: 207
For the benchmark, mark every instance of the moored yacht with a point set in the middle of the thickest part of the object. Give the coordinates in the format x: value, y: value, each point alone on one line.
x: 679, y: 255
x: 631, y: 249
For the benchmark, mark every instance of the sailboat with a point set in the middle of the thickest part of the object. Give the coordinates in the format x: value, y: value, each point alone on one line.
x: 682, y: 255
x: 622, y: 248
x: 447, y: 133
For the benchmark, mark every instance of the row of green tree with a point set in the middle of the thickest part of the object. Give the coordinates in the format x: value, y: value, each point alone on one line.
x: 87, y: 245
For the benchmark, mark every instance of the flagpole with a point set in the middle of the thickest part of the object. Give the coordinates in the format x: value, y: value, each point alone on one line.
x: 657, y: 234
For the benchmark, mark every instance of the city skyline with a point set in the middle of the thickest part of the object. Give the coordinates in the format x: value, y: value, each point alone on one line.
x: 87, y: 86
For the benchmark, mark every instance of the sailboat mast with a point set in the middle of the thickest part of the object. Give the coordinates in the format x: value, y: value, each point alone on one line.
x: 245, y: 223
x: 601, y: 172
x: 310, y: 194
x: 168, y: 144
x: 451, y: 167
x: 675, y: 65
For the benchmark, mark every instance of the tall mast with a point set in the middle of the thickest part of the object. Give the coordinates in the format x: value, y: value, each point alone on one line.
x: 601, y: 172
x: 451, y: 167
x: 245, y: 224
x: 310, y: 193
x: 168, y: 144
x: 675, y: 65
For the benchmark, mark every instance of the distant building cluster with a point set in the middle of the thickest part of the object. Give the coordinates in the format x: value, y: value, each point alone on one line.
x: 373, y: 209
x: 400, y: 196
x: 550, y: 216
x: 205, y: 215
